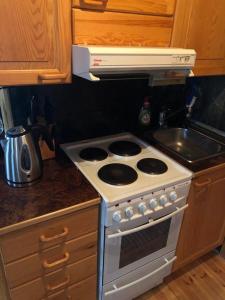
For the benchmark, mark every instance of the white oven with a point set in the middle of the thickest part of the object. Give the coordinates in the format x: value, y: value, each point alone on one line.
x: 140, y: 252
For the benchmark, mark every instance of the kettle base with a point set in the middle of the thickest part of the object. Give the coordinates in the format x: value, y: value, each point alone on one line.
x: 22, y: 184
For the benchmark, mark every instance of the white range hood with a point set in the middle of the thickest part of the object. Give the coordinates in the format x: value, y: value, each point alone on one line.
x: 93, y: 62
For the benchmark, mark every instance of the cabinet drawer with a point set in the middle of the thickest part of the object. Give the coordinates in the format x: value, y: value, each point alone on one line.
x: 159, y: 7
x: 111, y: 28
x: 49, y: 260
x: 56, y: 281
x: 84, y: 290
x: 38, y: 237
x: 213, y: 174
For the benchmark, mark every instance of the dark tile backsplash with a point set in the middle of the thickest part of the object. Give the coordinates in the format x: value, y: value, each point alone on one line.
x: 210, y: 107
x: 84, y: 109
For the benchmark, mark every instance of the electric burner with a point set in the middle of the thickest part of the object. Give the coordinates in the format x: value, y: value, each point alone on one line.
x: 117, y: 174
x: 125, y: 148
x: 152, y: 166
x: 93, y: 154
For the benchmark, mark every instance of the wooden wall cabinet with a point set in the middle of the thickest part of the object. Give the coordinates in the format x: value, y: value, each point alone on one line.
x: 35, y: 45
x: 55, y: 259
x: 200, y: 25
x: 123, y: 23
x: 203, y: 225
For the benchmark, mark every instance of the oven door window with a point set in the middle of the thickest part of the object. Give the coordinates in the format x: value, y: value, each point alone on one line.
x: 143, y: 243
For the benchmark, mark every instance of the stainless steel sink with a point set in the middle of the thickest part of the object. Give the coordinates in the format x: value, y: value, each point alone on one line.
x: 188, y: 144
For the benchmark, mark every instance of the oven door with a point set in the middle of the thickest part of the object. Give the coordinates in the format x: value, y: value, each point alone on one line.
x: 140, y: 241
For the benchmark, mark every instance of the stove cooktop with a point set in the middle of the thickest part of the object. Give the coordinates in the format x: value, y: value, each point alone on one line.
x: 123, y: 166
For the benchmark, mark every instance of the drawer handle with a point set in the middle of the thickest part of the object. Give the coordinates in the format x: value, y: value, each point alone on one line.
x: 202, y: 184
x: 52, y: 76
x: 58, y: 286
x: 92, y: 1
x: 100, y: 4
x: 68, y: 297
x: 48, y: 265
x: 45, y: 239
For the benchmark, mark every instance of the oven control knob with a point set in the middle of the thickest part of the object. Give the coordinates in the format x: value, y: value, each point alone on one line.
x: 153, y: 203
x: 163, y: 200
x: 142, y: 208
x: 173, y: 196
x: 117, y: 216
x: 129, y: 212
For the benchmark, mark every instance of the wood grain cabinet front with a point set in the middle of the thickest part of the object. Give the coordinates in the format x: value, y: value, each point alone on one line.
x: 47, y: 261
x: 36, y: 238
x: 51, y: 258
x: 203, y: 225
x: 84, y: 290
x: 200, y: 25
x: 35, y: 43
x: 148, y: 7
x: 56, y: 281
x: 123, y: 23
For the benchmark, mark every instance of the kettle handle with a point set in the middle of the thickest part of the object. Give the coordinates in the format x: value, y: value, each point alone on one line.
x: 25, y: 161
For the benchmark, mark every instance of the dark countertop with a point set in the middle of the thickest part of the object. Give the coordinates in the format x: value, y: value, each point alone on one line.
x: 61, y: 186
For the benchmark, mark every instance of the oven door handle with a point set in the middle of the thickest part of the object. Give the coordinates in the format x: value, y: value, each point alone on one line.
x: 116, y: 289
x: 150, y: 224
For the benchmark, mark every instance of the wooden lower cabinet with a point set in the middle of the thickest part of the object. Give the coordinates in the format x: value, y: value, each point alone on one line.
x: 55, y: 259
x: 84, y: 290
x: 60, y: 279
x: 50, y: 260
x: 203, y: 225
x: 36, y: 238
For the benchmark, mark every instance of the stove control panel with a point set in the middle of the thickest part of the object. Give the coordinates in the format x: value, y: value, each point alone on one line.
x: 147, y: 204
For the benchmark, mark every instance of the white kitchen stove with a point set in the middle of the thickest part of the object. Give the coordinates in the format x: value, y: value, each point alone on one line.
x: 143, y: 199
x: 114, y: 194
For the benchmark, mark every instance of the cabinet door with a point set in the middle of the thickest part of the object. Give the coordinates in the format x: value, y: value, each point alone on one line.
x: 35, y: 41
x: 203, y: 224
x: 200, y: 24
x: 120, y: 29
x: 155, y: 7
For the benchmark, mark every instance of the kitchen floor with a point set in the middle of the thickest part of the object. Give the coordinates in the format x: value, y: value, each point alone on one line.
x: 202, y: 280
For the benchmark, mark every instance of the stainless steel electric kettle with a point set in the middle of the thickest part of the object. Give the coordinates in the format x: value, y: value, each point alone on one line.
x: 23, y: 163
